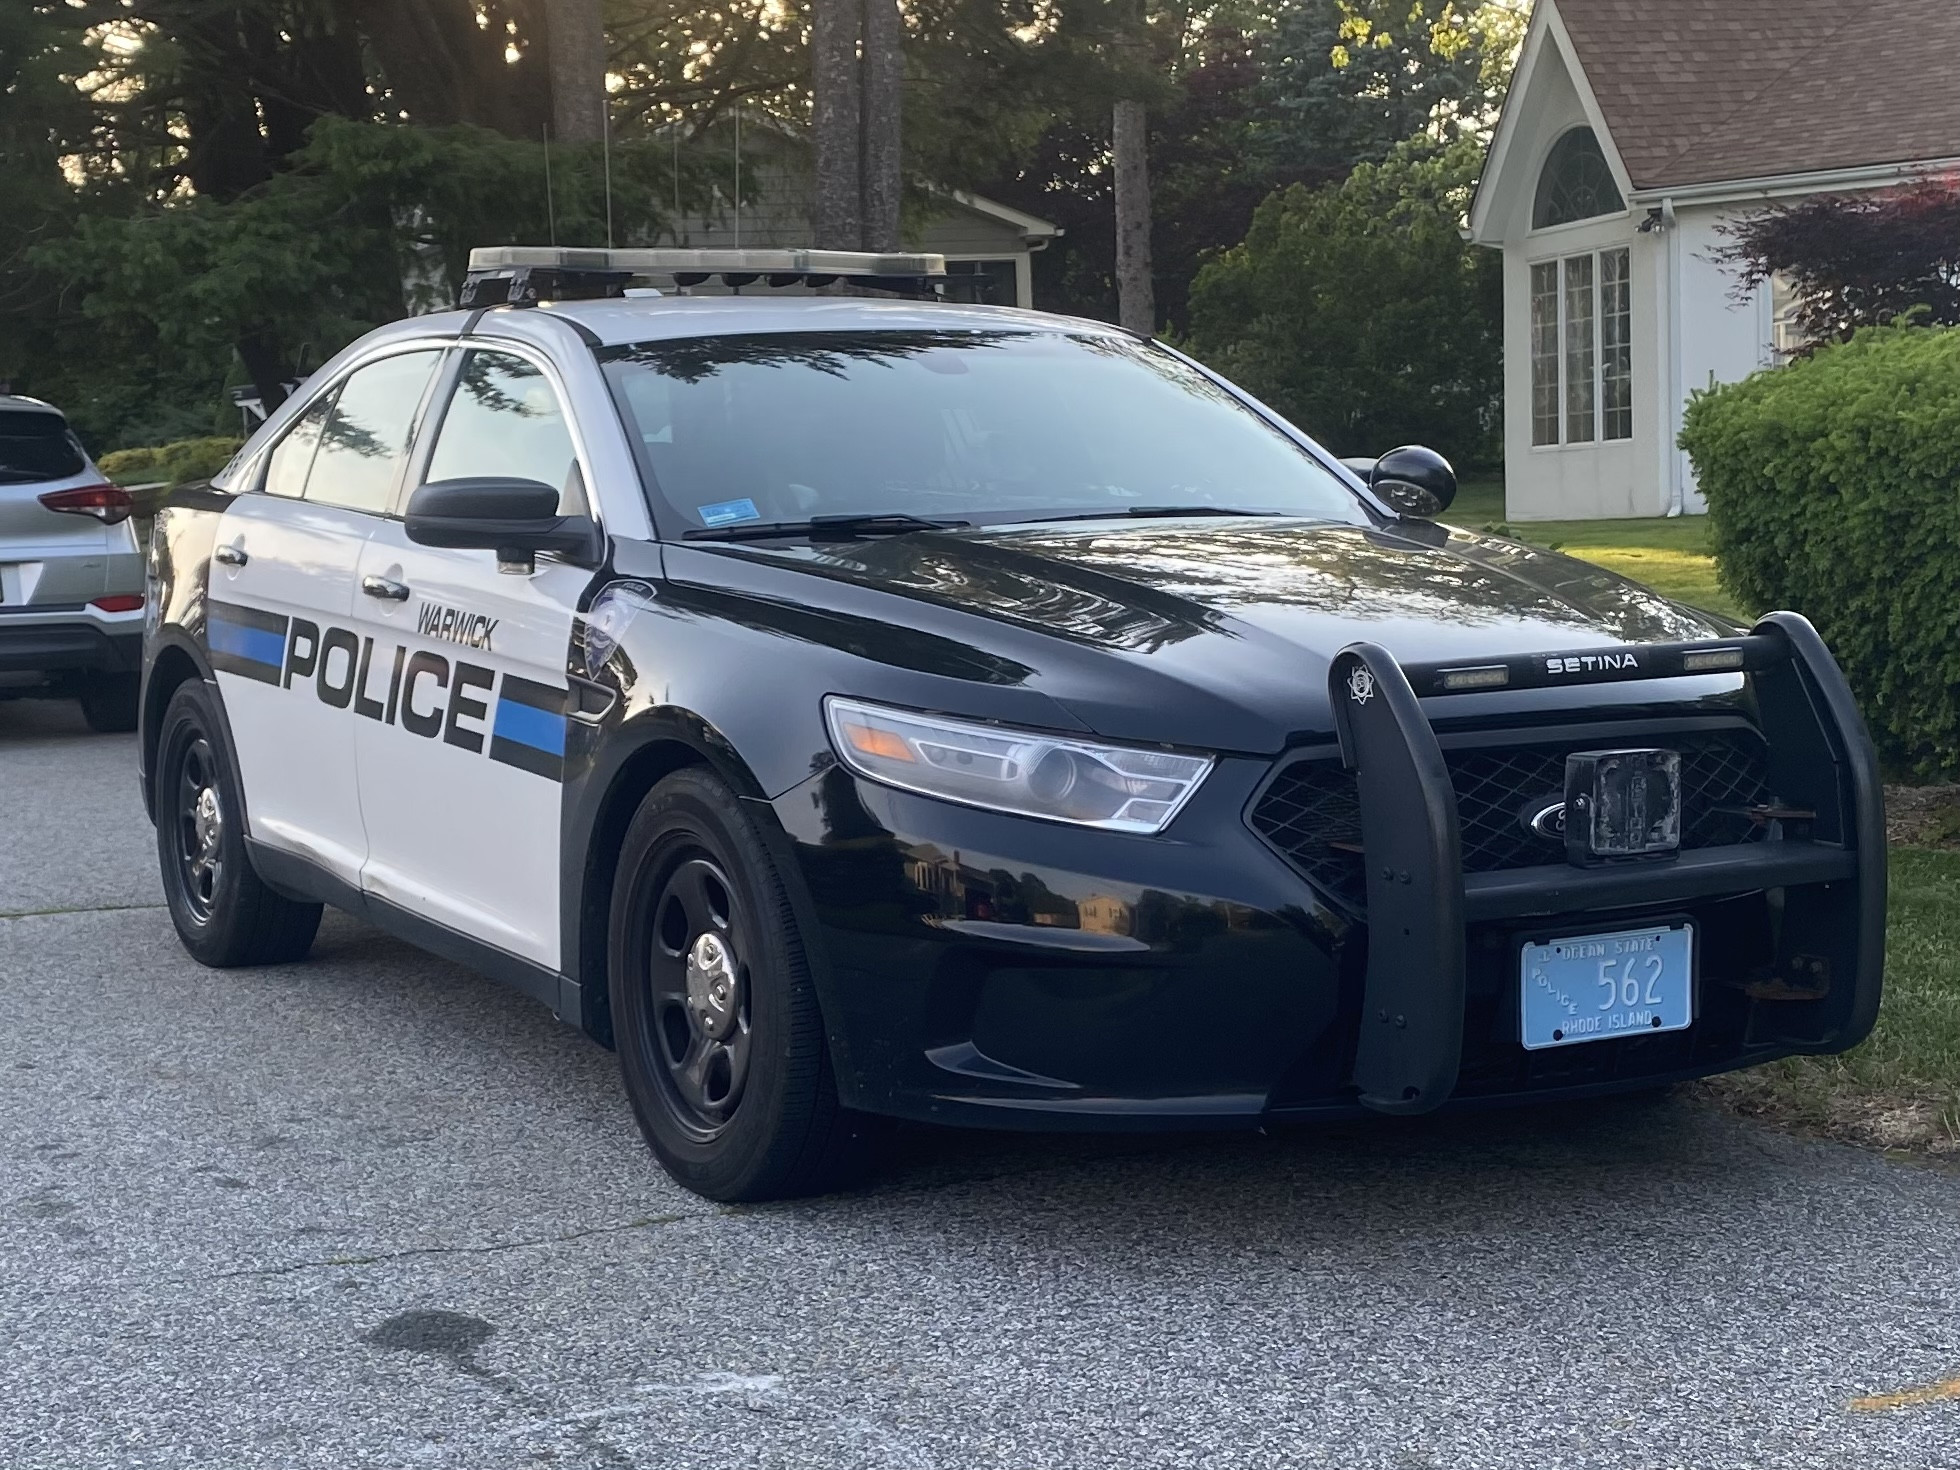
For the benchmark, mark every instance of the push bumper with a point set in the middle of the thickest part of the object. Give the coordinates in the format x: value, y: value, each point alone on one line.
x: 1829, y: 944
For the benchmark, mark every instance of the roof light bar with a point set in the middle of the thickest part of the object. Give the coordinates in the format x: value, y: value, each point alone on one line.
x: 524, y: 274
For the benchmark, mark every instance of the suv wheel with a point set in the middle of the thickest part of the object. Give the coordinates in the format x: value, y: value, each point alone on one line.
x: 720, y: 1039
x: 224, y: 914
x: 109, y: 702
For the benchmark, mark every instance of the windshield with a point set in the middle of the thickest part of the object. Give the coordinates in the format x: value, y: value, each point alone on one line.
x: 36, y: 446
x: 980, y: 426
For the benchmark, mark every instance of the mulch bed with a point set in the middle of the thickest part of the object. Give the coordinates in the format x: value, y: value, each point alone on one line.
x: 1923, y: 816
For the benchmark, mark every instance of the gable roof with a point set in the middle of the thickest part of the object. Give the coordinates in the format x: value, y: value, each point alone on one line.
x: 1705, y: 91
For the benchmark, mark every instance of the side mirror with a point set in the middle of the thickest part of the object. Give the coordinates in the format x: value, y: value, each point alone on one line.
x: 1413, y: 481
x: 514, y: 518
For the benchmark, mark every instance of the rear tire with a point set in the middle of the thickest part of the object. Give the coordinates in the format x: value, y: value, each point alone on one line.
x: 109, y: 702
x: 715, y: 1016
x: 224, y: 913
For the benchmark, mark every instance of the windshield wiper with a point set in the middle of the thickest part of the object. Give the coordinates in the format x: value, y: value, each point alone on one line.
x: 1144, y: 512
x: 824, y: 528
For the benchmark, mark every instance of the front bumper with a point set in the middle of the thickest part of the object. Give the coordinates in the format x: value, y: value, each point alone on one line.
x: 65, y: 640
x: 1000, y: 972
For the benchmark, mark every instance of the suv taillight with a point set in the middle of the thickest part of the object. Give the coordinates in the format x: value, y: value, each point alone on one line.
x: 107, y: 503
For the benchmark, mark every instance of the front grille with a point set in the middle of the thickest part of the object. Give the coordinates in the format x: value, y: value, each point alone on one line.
x: 1312, y: 815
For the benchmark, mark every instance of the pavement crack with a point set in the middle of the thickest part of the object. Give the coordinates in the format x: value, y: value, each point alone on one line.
x: 85, y: 908
x: 496, y: 1247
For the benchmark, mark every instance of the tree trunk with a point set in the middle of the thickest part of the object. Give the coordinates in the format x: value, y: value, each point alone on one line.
x: 1136, y: 298
x: 884, y: 83
x: 575, y: 39
x: 837, y: 215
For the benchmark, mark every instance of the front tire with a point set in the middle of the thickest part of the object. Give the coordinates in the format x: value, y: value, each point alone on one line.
x: 721, y: 1042
x: 224, y: 913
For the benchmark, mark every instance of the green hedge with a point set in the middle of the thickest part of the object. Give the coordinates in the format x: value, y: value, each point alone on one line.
x: 1834, y: 489
x: 172, y: 464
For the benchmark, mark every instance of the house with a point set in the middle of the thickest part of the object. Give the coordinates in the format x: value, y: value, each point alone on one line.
x: 764, y: 197
x: 1632, y: 131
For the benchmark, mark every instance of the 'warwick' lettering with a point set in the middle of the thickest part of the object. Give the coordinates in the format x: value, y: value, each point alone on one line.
x: 453, y: 625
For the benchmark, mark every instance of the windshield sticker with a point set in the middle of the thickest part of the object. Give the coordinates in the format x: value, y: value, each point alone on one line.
x: 728, y: 512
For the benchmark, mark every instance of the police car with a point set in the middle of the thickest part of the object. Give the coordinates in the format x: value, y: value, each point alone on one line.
x: 857, y: 705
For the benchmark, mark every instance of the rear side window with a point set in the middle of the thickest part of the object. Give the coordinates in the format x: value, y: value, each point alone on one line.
x: 366, y: 436
x: 505, y: 421
x: 37, y: 446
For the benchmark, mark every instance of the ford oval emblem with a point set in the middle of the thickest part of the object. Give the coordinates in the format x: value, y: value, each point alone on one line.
x: 1549, y: 820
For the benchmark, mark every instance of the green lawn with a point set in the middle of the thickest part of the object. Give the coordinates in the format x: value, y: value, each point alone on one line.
x: 1901, y: 1089
x: 1671, y: 556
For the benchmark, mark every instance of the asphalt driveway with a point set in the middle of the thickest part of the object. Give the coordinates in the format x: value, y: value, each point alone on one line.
x: 373, y: 1210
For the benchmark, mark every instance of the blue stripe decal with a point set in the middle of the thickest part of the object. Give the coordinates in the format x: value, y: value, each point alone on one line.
x: 260, y: 646
x: 537, y: 728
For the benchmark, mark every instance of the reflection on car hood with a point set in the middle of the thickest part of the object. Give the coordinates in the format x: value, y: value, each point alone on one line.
x: 1250, y: 613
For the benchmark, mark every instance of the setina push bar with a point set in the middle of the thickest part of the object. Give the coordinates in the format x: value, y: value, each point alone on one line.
x: 1820, y: 759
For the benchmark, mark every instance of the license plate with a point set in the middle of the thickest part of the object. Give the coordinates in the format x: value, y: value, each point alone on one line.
x: 1594, y: 987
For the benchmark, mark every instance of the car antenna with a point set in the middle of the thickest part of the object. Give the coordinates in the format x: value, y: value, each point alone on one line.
x: 550, y: 205
x: 605, y: 136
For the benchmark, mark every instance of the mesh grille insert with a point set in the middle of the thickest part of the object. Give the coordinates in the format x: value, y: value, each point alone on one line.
x: 1312, y: 815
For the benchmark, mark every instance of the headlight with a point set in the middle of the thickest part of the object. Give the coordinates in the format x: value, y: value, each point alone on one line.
x: 1118, y: 787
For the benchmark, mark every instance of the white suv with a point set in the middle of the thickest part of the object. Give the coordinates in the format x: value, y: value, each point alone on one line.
x: 71, y: 572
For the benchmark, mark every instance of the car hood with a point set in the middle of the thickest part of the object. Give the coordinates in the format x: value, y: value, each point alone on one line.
x: 1220, y: 633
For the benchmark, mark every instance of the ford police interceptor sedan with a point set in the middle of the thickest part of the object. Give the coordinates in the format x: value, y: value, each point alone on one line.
x: 850, y: 705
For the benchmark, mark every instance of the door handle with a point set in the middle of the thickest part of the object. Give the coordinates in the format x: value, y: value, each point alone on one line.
x: 231, y: 556
x: 385, y: 589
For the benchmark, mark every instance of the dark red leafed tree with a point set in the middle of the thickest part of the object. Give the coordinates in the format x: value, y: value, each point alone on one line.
x: 1857, y: 260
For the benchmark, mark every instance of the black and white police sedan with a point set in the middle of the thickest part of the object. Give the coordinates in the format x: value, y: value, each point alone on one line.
x: 850, y: 706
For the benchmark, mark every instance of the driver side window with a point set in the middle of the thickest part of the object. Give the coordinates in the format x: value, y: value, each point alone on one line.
x: 504, y: 420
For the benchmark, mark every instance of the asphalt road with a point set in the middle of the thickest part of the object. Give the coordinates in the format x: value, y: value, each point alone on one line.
x: 372, y: 1210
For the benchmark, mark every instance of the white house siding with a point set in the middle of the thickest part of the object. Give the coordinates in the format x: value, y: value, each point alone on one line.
x: 1719, y: 338
x: 1723, y: 339
x: 1618, y: 477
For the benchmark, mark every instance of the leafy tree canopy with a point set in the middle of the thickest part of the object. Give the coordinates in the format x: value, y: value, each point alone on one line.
x: 203, y: 193
x: 1358, y: 310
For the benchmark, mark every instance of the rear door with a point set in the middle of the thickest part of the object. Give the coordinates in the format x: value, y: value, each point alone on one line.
x: 460, y: 771
x: 280, y: 617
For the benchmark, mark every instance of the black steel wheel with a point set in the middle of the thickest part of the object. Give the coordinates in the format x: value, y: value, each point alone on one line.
x: 698, y: 982
x: 223, y: 912
x: 714, y: 1011
x: 198, y: 815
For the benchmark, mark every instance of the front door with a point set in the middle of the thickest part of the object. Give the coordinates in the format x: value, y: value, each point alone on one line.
x: 279, y: 619
x: 462, y: 749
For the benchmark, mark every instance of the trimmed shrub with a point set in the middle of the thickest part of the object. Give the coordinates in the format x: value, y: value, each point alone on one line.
x: 187, y: 459
x: 1834, y: 489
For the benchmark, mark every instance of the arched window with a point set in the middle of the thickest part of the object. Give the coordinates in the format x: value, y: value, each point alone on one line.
x: 1576, y: 184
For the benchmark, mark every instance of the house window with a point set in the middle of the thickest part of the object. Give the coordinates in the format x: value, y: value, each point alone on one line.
x: 1576, y: 183
x: 1582, y: 349
x: 1788, y: 337
x: 1544, y: 353
x: 984, y: 282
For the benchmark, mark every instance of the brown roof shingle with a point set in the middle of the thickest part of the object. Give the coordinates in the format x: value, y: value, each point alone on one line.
x: 1700, y: 91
